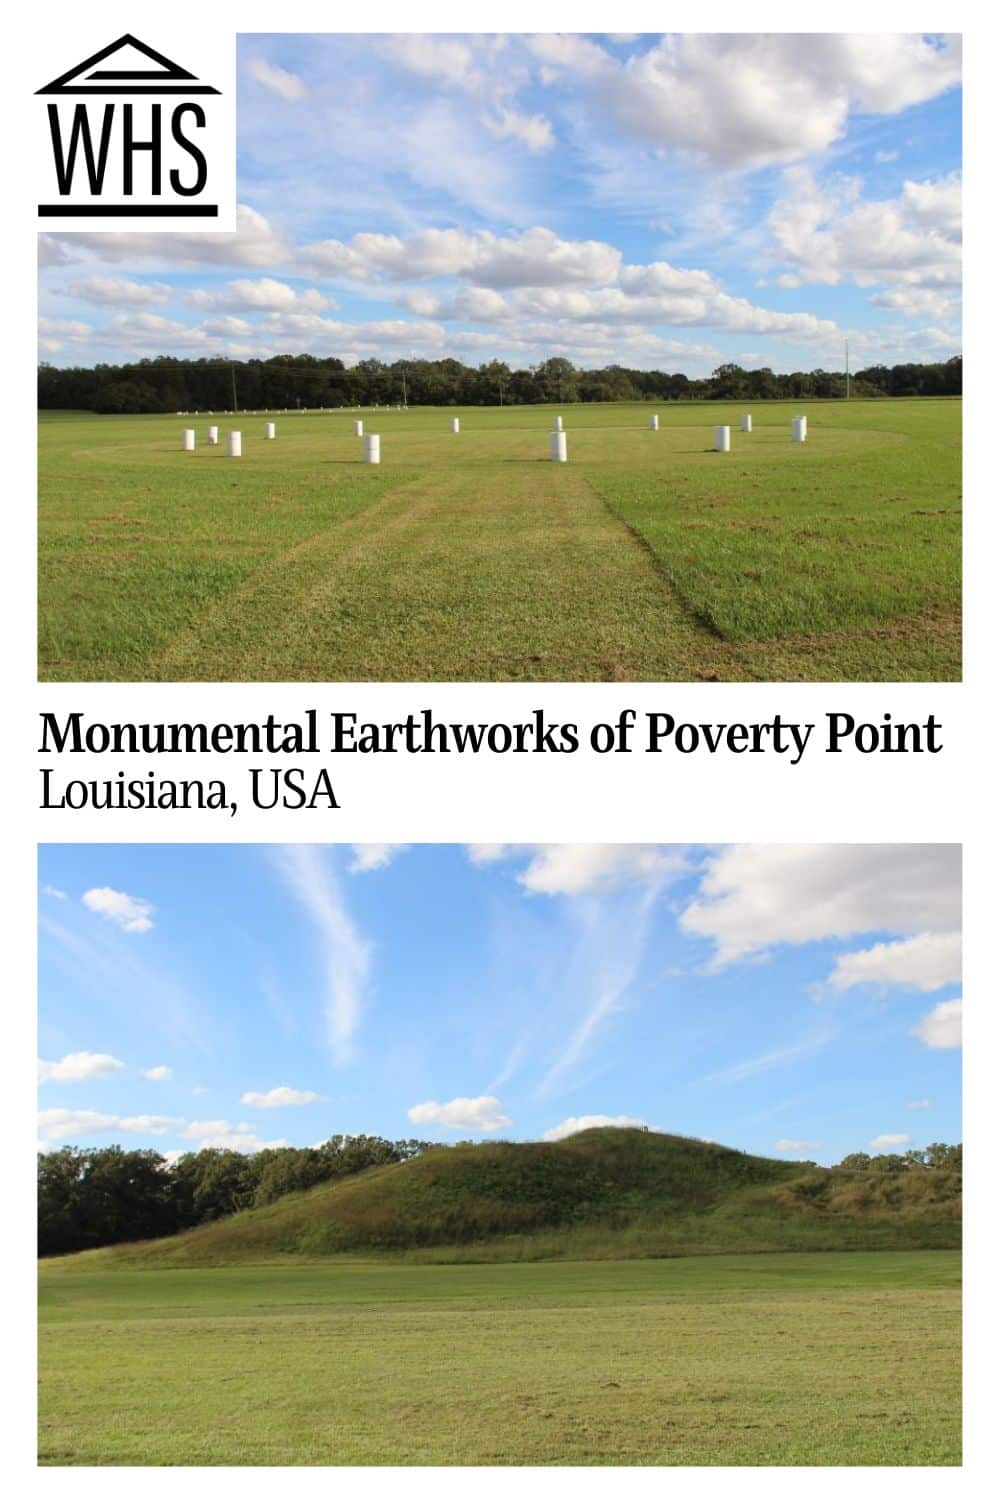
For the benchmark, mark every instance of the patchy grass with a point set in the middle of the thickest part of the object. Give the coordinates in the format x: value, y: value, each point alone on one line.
x: 783, y: 1359
x: 647, y: 558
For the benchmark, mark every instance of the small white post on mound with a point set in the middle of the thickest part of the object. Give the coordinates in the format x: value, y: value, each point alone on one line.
x: 654, y: 423
x: 187, y: 441
x: 798, y: 429
x: 557, y: 425
x: 234, y: 445
x: 359, y: 429
x: 747, y: 423
x: 269, y: 429
x: 373, y: 448
x: 557, y: 446
x: 722, y: 440
x: 213, y: 437
x: 455, y: 425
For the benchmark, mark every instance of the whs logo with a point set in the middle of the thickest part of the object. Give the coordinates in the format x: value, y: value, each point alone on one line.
x: 132, y: 140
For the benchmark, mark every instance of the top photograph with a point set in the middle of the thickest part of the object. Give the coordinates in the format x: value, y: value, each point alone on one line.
x: 533, y: 358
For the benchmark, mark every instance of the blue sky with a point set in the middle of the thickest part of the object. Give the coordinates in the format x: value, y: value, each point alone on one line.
x: 798, y: 1000
x: 659, y: 201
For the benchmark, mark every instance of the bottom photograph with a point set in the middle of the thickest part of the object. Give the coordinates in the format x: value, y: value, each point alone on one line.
x: 499, y: 1154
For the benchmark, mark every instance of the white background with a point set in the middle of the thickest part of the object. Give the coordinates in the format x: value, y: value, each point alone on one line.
x: 949, y: 797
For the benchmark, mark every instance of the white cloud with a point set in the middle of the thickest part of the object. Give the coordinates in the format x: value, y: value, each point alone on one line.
x: 729, y: 98
x: 828, y: 234
x: 795, y: 1148
x: 535, y: 131
x: 575, y: 1123
x: 576, y: 869
x: 484, y: 1113
x: 77, y: 1066
x: 530, y: 257
x: 159, y: 1074
x: 755, y: 896
x: 764, y: 1062
x: 374, y: 856
x: 118, y: 291
x: 889, y: 1142
x: 54, y: 892
x: 65, y: 1124
x: 288, y: 85
x: 255, y: 243
x: 222, y: 1136
x: 941, y: 1028
x: 926, y: 962
x: 346, y: 955
x: 260, y: 294
x: 918, y: 1104
x: 131, y: 913
x: 279, y: 1098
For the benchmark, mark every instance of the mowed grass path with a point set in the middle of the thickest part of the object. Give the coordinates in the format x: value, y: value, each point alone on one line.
x: 765, y: 1359
x: 647, y: 557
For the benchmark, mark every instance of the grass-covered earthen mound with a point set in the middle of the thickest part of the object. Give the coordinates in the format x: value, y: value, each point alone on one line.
x: 609, y: 1193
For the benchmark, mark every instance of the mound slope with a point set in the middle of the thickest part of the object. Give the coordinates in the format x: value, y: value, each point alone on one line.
x: 607, y: 1193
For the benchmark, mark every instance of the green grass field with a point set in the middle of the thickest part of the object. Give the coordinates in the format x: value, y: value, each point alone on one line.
x: 767, y: 1359
x: 648, y: 557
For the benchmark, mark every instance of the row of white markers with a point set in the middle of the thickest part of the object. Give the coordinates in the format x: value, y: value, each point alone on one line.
x: 558, y: 450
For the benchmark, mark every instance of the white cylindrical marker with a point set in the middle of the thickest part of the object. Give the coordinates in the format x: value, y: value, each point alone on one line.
x: 798, y: 429
x: 455, y: 426
x: 557, y: 447
x: 557, y: 425
x: 654, y: 423
x: 722, y: 440
x: 187, y: 441
x: 234, y: 444
x: 359, y: 429
x: 269, y: 429
x: 747, y: 422
x: 373, y: 448
x: 213, y: 436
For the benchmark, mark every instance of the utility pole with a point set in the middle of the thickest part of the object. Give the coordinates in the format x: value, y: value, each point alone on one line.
x: 500, y: 384
x: 847, y: 371
x: 232, y: 371
x: 404, y: 388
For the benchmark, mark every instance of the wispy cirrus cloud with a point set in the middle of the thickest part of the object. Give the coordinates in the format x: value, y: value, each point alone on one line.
x: 345, y: 954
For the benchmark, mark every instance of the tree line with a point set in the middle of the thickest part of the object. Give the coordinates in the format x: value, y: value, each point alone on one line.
x: 302, y: 380
x: 107, y: 1196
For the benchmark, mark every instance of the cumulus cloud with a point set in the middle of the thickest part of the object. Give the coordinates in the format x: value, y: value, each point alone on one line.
x: 255, y: 242
x: 287, y: 85
x: 117, y: 291
x: 729, y: 98
x: 75, y: 1067
x: 576, y: 869
x: 279, y: 1098
x: 941, y: 1028
x: 159, y: 1074
x: 575, y: 1123
x: 484, y: 1114
x: 346, y: 956
x: 890, y: 1142
x: 130, y: 913
x: 374, y: 856
x: 223, y: 1136
x: 66, y: 1124
x: 531, y: 257
x: 261, y: 294
x: 926, y: 962
x: 828, y: 234
x: 753, y: 897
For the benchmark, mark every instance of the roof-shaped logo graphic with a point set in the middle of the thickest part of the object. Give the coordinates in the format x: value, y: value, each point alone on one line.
x: 129, y: 73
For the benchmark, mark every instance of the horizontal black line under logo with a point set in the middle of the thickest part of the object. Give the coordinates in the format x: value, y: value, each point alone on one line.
x: 128, y: 210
